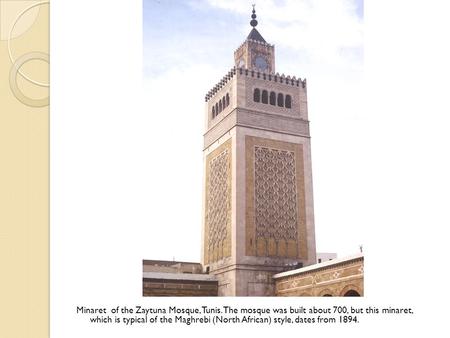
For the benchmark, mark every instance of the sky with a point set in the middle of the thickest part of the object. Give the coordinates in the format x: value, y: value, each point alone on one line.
x: 188, y: 47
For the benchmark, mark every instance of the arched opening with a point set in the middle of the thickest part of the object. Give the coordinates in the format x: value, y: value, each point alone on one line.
x: 264, y: 96
x: 213, y: 112
x: 217, y: 109
x: 224, y: 103
x: 325, y: 293
x: 352, y: 293
x: 280, y: 100
x: 227, y: 99
x: 220, y: 106
x: 288, y: 101
x: 256, y: 95
x: 272, y: 98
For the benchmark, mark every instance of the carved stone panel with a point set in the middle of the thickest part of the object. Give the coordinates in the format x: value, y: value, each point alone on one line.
x: 275, y: 197
x: 218, y: 204
x: 332, y: 280
x: 275, y: 214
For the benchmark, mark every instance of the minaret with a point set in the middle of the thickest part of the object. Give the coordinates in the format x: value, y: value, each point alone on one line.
x: 255, y: 53
x: 258, y: 203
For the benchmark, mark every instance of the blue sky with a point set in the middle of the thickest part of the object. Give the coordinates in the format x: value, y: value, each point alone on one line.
x: 202, y: 31
x: 177, y: 32
x: 188, y: 48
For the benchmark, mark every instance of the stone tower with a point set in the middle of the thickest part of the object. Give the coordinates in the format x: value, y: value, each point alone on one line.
x: 258, y: 216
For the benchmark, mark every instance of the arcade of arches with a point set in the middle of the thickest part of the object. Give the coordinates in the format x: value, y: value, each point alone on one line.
x: 336, y: 278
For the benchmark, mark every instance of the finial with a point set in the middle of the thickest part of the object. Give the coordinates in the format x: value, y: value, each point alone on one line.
x: 253, y: 22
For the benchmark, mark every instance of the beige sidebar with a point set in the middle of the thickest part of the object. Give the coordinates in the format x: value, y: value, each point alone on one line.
x: 24, y: 168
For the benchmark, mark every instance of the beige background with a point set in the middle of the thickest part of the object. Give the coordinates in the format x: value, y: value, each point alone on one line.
x: 24, y: 170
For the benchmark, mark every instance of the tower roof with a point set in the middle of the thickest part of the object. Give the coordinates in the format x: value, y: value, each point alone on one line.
x: 254, y: 34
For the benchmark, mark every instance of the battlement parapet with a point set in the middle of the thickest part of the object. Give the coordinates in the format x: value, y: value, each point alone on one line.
x: 276, y: 77
x: 220, y: 84
x: 254, y: 41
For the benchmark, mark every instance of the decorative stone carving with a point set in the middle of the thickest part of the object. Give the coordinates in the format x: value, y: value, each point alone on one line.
x: 218, y: 200
x: 275, y: 196
x: 218, y: 205
x: 275, y: 199
x: 334, y: 280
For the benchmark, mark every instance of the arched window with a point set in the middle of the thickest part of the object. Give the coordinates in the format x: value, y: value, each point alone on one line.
x: 352, y: 293
x: 228, y: 99
x: 217, y: 109
x: 280, y: 100
x: 220, y: 106
x: 288, y: 102
x: 213, y: 112
x: 273, y: 98
x: 224, y: 105
x: 264, y: 96
x: 256, y: 95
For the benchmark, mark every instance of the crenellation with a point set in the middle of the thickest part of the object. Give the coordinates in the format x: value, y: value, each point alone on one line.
x: 259, y: 43
x: 254, y: 41
x: 276, y: 77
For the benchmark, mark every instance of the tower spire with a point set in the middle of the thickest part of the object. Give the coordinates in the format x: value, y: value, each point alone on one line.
x: 253, y: 22
x: 254, y: 34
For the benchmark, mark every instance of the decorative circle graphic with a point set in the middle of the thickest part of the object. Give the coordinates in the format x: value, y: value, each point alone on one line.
x: 15, y: 69
x: 8, y: 13
x: 9, y: 42
x: 20, y: 61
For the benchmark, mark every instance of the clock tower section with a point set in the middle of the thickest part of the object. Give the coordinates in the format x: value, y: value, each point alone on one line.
x: 255, y: 53
x: 258, y: 214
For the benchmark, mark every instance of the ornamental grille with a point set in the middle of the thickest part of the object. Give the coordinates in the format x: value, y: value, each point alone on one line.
x: 275, y: 194
x: 219, y: 206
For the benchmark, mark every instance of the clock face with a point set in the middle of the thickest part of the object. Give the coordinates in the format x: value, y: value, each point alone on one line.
x: 261, y: 63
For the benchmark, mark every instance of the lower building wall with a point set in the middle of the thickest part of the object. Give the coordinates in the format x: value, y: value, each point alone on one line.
x: 244, y: 281
x: 178, y: 288
x: 345, y: 279
x: 227, y: 283
x: 335, y: 278
x: 255, y: 283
